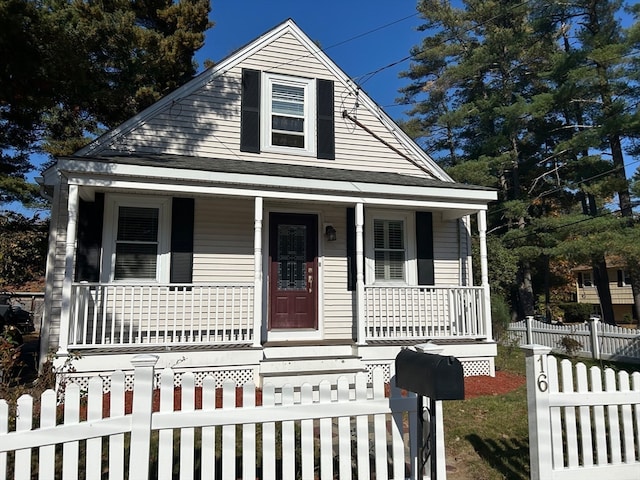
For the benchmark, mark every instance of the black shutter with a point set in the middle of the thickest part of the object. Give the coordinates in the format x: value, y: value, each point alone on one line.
x: 90, y: 218
x: 250, y: 112
x: 580, y: 280
x: 351, y: 249
x: 326, y: 124
x: 182, y: 240
x: 424, y: 240
x: 620, y: 278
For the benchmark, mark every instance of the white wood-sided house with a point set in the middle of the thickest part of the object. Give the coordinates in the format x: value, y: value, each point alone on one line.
x: 265, y: 221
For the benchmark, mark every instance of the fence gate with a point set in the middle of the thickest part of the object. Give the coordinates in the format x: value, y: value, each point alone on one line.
x: 582, y: 424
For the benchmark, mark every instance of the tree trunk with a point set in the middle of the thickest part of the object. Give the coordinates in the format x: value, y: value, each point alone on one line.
x: 601, y: 281
x: 634, y: 278
x: 526, y: 304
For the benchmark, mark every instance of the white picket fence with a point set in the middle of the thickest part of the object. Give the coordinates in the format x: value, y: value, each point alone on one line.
x: 325, y: 432
x: 582, y: 425
x: 598, y: 340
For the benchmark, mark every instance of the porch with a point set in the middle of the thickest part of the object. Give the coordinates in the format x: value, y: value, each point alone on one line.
x: 117, y: 316
x: 243, y: 277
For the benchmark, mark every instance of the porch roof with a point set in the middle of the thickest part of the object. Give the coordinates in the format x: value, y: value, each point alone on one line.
x: 177, y: 171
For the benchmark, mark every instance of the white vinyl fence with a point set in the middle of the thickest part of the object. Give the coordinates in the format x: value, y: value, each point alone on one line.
x: 597, y: 340
x: 582, y: 424
x: 325, y: 432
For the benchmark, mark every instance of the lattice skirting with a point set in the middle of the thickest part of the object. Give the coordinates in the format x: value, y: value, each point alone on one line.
x: 386, y: 368
x: 240, y: 376
x: 477, y: 368
x: 470, y: 368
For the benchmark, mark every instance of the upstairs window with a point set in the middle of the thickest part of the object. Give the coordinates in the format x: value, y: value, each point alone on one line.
x: 289, y: 120
x: 287, y: 116
x: 587, y: 279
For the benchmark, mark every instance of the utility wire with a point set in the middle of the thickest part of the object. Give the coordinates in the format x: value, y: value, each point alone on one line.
x: 559, y: 227
x: 350, y: 39
x: 368, y: 76
x: 570, y: 184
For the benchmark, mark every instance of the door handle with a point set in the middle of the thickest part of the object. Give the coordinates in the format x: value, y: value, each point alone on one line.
x: 310, y: 280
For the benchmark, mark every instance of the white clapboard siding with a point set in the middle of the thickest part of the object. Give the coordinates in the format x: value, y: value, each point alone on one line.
x: 582, y: 424
x: 278, y: 434
x: 223, y: 240
x: 206, y: 123
x: 447, y: 251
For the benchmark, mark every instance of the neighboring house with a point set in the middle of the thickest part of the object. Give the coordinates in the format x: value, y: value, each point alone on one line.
x: 619, y: 284
x: 267, y: 220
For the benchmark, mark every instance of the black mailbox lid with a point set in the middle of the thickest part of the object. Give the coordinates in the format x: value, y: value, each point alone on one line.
x: 435, y: 376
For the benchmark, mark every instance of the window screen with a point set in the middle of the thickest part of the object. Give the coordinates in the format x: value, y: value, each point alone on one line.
x: 287, y: 122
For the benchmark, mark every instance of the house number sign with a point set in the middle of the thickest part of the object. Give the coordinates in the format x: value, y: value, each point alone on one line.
x: 543, y: 385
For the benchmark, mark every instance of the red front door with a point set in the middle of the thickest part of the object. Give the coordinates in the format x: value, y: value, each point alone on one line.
x: 293, y: 268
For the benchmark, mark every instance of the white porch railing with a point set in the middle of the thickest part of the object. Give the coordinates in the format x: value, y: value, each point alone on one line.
x: 124, y: 315
x: 424, y: 312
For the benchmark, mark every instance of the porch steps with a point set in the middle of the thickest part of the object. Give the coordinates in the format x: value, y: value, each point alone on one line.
x: 296, y: 365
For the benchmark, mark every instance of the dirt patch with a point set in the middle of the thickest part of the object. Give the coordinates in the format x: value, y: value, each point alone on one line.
x: 503, y: 382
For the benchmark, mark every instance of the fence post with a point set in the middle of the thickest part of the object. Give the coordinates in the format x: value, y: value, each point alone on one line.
x: 593, y: 331
x: 141, y: 415
x: 528, y: 323
x: 540, y: 448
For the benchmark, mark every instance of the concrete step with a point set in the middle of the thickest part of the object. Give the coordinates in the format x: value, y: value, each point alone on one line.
x: 299, y: 370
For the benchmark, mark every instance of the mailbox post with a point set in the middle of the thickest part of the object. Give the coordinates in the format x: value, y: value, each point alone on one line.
x: 436, y: 377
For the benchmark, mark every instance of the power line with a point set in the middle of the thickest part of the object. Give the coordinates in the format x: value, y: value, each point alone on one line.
x: 350, y: 39
x: 559, y: 227
x: 570, y: 184
x: 371, y: 74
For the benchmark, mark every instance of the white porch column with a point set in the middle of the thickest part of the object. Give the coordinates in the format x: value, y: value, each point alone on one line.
x: 359, y: 220
x: 484, y: 270
x: 70, y: 246
x: 257, y: 269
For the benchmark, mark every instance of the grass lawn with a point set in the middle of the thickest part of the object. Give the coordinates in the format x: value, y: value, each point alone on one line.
x: 487, y: 437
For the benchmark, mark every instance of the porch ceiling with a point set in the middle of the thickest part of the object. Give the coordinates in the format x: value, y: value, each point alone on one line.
x: 200, y: 175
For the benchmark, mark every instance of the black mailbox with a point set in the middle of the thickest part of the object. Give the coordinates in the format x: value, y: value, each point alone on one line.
x: 435, y: 376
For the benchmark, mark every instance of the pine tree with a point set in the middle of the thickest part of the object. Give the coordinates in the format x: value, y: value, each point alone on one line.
x: 482, y: 106
x: 70, y: 70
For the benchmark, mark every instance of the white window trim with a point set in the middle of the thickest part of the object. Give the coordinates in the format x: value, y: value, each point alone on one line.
x: 411, y: 266
x: 587, y: 283
x: 109, y: 234
x: 625, y: 277
x: 268, y: 79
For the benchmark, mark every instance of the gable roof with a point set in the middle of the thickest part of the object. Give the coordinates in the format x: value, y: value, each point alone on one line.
x: 287, y: 27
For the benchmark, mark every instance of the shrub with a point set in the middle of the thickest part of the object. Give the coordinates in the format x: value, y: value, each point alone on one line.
x: 570, y: 346
x: 576, y: 312
x: 500, y: 315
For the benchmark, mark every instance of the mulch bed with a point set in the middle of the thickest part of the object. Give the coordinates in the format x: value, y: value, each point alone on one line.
x: 503, y: 382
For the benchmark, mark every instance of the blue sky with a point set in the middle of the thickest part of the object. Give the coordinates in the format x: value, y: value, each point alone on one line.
x: 329, y: 22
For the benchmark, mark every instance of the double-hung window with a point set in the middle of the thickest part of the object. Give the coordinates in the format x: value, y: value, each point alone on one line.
x: 136, y: 239
x: 389, y: 250
x: 587, y: 279
x: 289, y: 108
x: 391, y: 253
